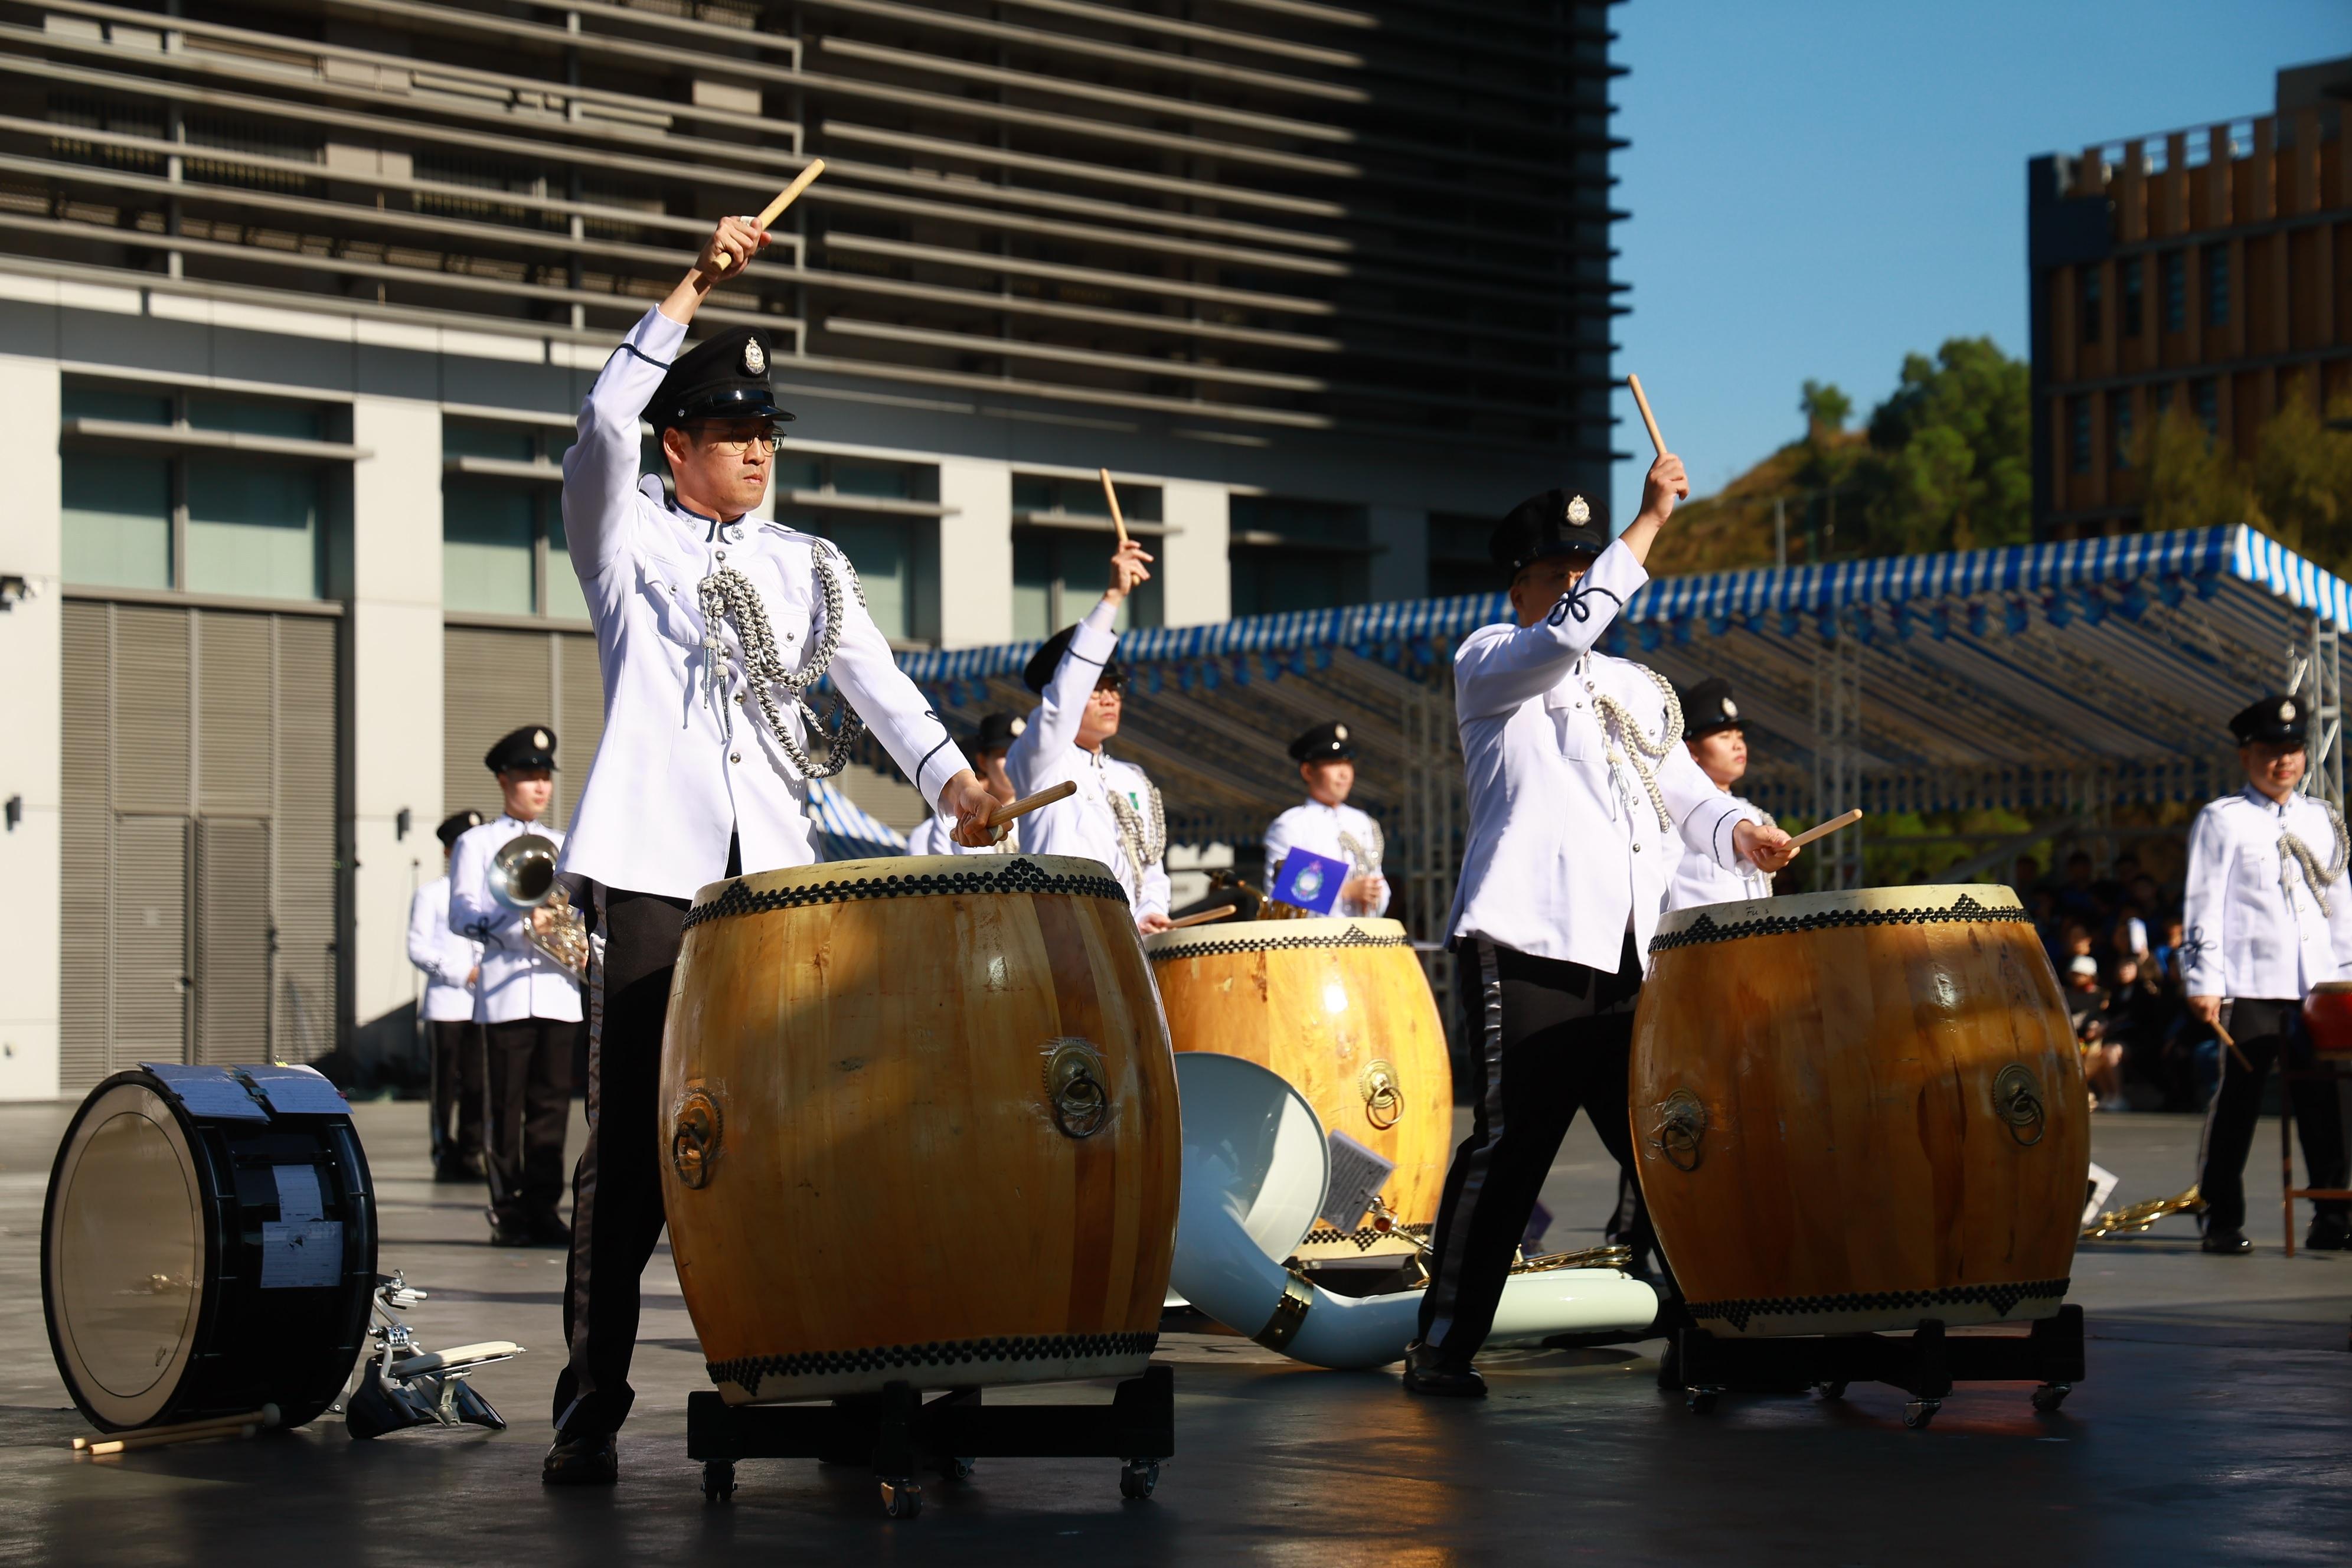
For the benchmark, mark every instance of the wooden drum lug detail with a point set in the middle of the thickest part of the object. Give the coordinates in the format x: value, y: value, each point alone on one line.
x: 1682, y: 1127
x: 696, y: 1125
x: 1383, y: 1099
x: 1073, y: 1086
x: 2017, y: 1101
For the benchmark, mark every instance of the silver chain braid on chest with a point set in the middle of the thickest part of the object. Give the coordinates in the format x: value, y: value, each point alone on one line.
x: 2317, y: 877
x: 1368, y: 860
x: 1634, y: 747
x: 728, y: 597
x: 1144, y: 839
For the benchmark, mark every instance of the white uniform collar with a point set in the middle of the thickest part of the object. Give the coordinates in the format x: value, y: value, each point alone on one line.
x: 2276, y: 808
x: 713, y: 531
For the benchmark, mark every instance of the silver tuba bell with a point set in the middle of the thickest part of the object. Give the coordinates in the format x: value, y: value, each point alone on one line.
x: 522, y: 877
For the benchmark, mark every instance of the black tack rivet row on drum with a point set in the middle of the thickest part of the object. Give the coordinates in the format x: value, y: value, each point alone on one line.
x: 208, y: 1245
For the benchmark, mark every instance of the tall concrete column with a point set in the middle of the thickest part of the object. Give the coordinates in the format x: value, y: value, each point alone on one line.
x: 1196, y: 580
x: 975, y: 552
x: 396, y: 641
x: 32, y: 736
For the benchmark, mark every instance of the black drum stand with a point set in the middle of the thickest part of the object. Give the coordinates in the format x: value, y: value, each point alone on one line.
x: 901, y: 1435
x: 1924, y: 1364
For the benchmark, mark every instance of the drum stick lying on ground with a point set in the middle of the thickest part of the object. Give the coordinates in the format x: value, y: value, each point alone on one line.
x: 1650, y: 420
x: 1111, y: 494
x: 1202, y: 917
x: 1027, y: 803
x: 243, y: 1426
x: 784, y: 198
x: 1823, y: 830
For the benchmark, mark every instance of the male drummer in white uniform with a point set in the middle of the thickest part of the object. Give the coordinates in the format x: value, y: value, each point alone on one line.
x: 1327, y: 826
x: 711, y: 625
x: 1581, y: 796
x: 935, y: 835
x: 2266, y: 915
x: 528, y: 1005
x: 1116, y: 815
x: 1718, y: 742
x: 452, y: 965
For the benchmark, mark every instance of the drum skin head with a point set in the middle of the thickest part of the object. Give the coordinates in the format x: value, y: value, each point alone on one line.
x: 124, y: 1262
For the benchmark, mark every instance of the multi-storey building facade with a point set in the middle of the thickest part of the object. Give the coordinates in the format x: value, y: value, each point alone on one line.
x: 297, y: 300
x: 2208, y: 270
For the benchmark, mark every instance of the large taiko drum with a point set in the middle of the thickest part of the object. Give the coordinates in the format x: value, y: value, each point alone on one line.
x: 1856, y: 1110
x: 208, y: 1245
x: 2328, y: 1018
x: 1342, y: 1010
x: 918, y: 1125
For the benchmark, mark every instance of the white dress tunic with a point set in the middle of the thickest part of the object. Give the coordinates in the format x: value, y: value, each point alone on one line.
x: 1087, y: 825
x: 446, y: 957
x: 1565, y: 853
x: 1337, y: 833
x: 1700, y: 880
x: 518, y: 980
x: 687, y: 758
x: 2251, y: 923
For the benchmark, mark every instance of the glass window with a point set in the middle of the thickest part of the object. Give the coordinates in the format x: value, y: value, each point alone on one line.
x: 2216, y: 285
x: 2176, y: 292
x: 252, y: 529
x: 889, y: 565
x: 459, y: 439
x: 487, y: 532
x: 2087, y: 310
x: 564, y: 599
x: 1291, y: 554
x: 1084, y: 498
x: 2207, y: 395
x: 1058, y: 575
x: 106, y: 403
x: 118, y: 518
x: 2078, y: 439
x: 2119, y: 430
x: 286, y: 419
x: 1458, y: 562
x: 2131, y: 300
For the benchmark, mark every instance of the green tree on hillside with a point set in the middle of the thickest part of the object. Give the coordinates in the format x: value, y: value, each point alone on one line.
x: 1954, y: 471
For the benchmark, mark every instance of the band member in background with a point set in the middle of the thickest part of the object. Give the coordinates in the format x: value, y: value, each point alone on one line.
x: 452, y: 966
x: 1116, y: 815
x: 2269, y: 916
x: 528, y: 1005
x: 935, y: 835
x: 1718, y: 742
x: 1581, y: 796
x: 712, y: 629
x: 1327, y: 826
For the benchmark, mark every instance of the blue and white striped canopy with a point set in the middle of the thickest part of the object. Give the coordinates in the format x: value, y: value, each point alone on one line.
x: 846, y: 831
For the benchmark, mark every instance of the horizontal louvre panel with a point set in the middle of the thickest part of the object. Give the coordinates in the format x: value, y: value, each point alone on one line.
x: 305, y: 878
x: 84, y: 993
x: 492, y: 682
x: 580, y: 724
x: 151, y: 709
x: 150, y: 939
x: 232, y: 940
x: 233, y: 739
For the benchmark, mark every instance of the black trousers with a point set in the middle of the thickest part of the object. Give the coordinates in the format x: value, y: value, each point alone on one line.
x: 1551, y: 1037
x: 458, y: 1073
x: 616, y: 1190
x: 529, y: 1072
x: 2267, y: 1032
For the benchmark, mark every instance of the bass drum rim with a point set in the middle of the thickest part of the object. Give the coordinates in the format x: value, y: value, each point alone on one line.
x: 139, y: 1093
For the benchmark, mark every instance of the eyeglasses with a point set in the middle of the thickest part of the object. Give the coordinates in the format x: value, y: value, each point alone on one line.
x: 737, y: 445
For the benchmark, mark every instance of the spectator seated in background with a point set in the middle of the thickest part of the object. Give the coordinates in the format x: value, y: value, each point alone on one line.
x: 2139, y: 1020
x: 2086, y: 1008
x: 2076, y: 898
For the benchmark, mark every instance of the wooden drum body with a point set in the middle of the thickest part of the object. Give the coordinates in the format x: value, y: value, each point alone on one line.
x: 1856, y: 1110
x: 919, y: 1125
x: 1342, y: 1009
x: 2328, y: 1018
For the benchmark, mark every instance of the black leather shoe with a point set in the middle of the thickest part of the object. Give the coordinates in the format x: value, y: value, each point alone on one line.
x: 1425, y: 1374
x: 2328, y: 1235
x: 454, y: 1169
x: 1670, y: 1365
x: 549, y: 1231
x: 2228, y: 1243
x: 592, y: 1459
x: 516, y: 1235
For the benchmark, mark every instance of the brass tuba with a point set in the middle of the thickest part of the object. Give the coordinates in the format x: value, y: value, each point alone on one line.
x: 522, y: 877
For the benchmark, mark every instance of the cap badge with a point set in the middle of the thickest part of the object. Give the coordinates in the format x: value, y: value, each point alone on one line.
x: 540, y: 738
x: 755, y: 358
x: 1580, y: 511
x: 1020, y: 725
x: 1730, y: 708
x: 1339, y: 731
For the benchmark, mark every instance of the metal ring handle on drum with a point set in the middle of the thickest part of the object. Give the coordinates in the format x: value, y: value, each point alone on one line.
x: 697, y: 1124
x: 1074, y: 1089
x: 2017, y: 1101
x: 1383, y: 1099
x: 1682, y: 1127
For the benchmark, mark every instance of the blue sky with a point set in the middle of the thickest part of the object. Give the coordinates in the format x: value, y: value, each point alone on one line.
x: 1818, y: 189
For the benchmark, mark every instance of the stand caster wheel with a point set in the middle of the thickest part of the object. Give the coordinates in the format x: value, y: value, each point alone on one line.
x: 1137, y: 1477
x: 953, y: 1469
x: 1701, y: 1401
x: 718, y: 1481
x: 901, y: 1497
x: 2051, y: 1395
x: 1834, y: 1389
x: 1920, y: 1412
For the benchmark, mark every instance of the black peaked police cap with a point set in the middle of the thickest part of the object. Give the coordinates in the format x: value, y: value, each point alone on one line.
x: 2270, y: 718
x: 1323, y: 743
x: 1553, y: 524
x: 1707, y: 707
x: 1038, y: 673
x: 519, y: 751
x: 722, y: 377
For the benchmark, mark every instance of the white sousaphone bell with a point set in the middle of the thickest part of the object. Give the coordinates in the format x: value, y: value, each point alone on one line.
x: 1256, y: 1168
x: 522, y: 877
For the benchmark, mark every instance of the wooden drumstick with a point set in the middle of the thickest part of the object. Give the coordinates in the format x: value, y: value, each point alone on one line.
x: 181, y: 1432
x: 1823, y: 830
x: 1111, y: 494
x: 129, y: 1441
x: 2223, y: 1035
x: 1657, y: 442
x: 1027, y: 803
x: 784, y: 198
x: 1203, y: 916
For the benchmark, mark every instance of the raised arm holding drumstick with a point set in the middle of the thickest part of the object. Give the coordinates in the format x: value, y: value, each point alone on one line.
x: 1581, y: 798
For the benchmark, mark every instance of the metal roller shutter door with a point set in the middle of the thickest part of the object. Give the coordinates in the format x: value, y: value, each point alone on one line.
x: 495, y: 680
